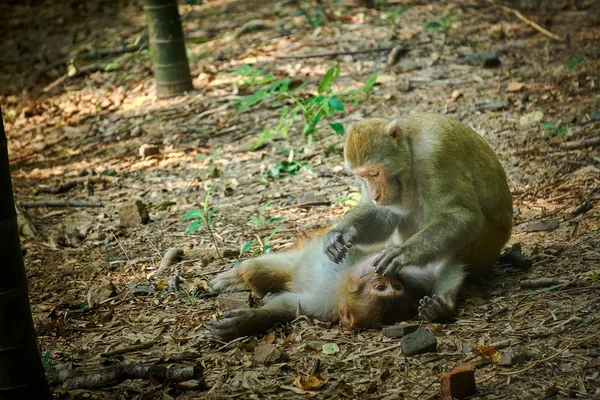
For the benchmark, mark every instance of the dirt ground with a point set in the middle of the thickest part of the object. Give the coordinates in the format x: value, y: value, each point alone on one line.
x: 534, y: 98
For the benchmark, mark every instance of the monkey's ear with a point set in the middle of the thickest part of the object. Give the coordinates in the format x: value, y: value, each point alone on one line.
x: 394, y: 131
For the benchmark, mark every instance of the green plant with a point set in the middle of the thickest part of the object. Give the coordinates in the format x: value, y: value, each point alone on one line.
x: 47, y: 361
x: 203, y: 217
x: 574, y: 62
x: 315, y: 17
x: 260, y: 219
x: 554, y: 130
x: 351, y: 199
x: 259, y: 246
x: 250, y: 77
x: 443, y: 25
x: 287, y: 168
x: 325, y: 103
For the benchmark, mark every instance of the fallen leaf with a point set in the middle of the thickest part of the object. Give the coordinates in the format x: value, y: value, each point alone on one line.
x: 331, y: 348
x: 309, y: 383
x: 515, y: 86
x: 455, y: 94
x: 531, y: 118
x: 488, y: 353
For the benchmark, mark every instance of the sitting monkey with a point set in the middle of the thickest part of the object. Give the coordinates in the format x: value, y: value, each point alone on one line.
x: 435, y: 207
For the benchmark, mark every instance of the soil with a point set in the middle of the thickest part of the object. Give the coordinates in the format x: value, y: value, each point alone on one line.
x: 95, y: 286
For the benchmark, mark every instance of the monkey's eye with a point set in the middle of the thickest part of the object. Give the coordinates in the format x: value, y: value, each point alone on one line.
x: 380, y: 287
x: 373, y: 174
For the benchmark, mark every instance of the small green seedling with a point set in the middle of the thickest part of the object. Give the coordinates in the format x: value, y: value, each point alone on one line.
x: 250, y: 77
x: 554, y: 130
x: 259, y: 246
x: 574, y: 62
x: 203, y: 217
x: 443, y: 25
x: 260, y: 219
x: 287, y: 168
x: 352, y: 199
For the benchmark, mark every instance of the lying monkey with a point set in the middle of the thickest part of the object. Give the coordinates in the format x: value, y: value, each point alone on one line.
x: 435, y: 207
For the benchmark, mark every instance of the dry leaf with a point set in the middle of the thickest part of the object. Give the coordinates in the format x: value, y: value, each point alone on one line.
x: 309, y: 383
x: 515, y: 86
x: 488, y: 353
x: 455, y: 94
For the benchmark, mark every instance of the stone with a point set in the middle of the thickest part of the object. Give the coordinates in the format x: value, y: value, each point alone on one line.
x: 266, y: 353
x: 142, y: 288
x: 399, y: 330
x: 515, y: 257
x: 519, y: 355
x: 539, y: 226
x: 459, y: 383
x: 133, y: 213
x: 418, y: 342
x: 147, y: 150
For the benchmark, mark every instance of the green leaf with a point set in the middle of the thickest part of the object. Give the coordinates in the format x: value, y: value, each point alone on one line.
x: 548, y: 126
x: 194, y: 226
x: 330, y: 76
x: 267, y: 248
x: 193, y: 214
x: 562, y: 131
x: 338, y: 128
x: 370, y: 83
x: 274, y: 232
x: 433, y: 25
x: 247, y: 246
x: 586, y: 321
x: 331, y: 348
x: 336, y: 104
x: 275, y: 219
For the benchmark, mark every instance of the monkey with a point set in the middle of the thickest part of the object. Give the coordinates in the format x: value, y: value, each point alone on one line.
x: 435, y: 192
x: 435, y: 207
x: 306, y: 281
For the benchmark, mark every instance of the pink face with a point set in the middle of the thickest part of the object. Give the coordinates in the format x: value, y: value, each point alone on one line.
x: 377, y: 184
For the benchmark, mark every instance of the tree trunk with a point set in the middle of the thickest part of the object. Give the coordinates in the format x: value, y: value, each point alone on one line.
x: 169, y: 59
x: 21, y: 371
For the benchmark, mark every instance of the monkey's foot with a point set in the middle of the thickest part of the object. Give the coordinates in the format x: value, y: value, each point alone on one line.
x: 238, y: 323
x: 435, y: 309
x: 228, y: 282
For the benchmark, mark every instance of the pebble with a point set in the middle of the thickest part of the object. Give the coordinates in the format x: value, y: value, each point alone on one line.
x: 420, y: 341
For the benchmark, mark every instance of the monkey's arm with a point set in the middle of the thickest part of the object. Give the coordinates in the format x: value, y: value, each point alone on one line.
x: 280, y: 308
x: 437, y: 239
x: 364, y: 224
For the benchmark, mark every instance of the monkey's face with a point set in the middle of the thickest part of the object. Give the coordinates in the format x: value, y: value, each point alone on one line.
x: 381, y: 190
x: 371, y: 300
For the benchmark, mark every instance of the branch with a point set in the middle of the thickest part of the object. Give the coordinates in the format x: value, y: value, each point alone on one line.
x: 62, y: 203
x: 336, y: 53
x: 528, y: 21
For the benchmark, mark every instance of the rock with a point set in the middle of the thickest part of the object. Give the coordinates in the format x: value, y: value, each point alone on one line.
x: 493, y: 105
x: 74, y: 236
x: 420, y: 341
x: 531, y: 118
x: 136, y: 131
x: 399, y: 330
x: 147, y: 150
x: 100, y: 292
x: 519, y: 355
x: 546, y: 225
x: 513, y: 256
x: 133, y: 213
x: 233, y: 301
x: 142, y: 289
x: 595, y: 116
x: 266, y: 353
x: 459, y: 383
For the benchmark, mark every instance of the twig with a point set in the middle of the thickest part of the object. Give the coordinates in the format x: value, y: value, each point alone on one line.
x: 577, y: 144
x: 542, y: 282
x: 85, y: 70
x: 336, y: 53
x: 123, y: 350
x: 113, y: 51
x: 62, y: 203
x: 372, y: 353
x: 528, y: 21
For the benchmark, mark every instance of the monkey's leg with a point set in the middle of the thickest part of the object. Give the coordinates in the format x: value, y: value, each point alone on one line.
x: 280, y: 308
x: 270, y: 273
x: 440, y: 306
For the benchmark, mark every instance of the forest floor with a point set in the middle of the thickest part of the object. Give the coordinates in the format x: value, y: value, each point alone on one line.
x: 97, y: 297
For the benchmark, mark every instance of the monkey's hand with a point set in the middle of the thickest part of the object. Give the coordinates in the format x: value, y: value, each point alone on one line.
x: 338, y: 241
x: 227, y: 282
x: 238, y: 323
x: 390, y: 261
x: 435, y: 309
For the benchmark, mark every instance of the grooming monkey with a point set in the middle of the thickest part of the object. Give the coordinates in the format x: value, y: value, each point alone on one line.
x: 435, y: 207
